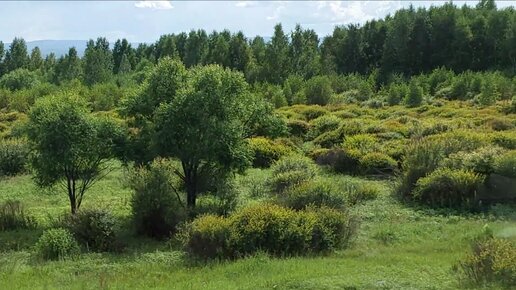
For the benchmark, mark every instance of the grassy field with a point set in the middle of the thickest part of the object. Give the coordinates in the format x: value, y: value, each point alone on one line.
x: 398, y: 247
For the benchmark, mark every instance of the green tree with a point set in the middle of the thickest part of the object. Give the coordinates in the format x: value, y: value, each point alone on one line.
x: 125, y: 65
x: 121, y: 48
x: 16, y: 57
x: 36, y: 60
x: 204, y: 126
x: 71, y: 147
x: 68, y: 67
x: 98, y: 62
x: 277, y: 62
x: 239, y: 52
x: 414, y: 97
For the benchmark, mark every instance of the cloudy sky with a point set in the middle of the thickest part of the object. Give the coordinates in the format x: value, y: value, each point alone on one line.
x: 145, y: 21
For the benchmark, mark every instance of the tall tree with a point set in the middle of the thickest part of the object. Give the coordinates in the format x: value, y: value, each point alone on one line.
x: 121, y: 48
x: 36, y: 60
x: 277, y: 63
x: 195, y: 48
x: 68, y: 67
x: 98, y: 62
x: 16, y: 57
x: 239, y: 52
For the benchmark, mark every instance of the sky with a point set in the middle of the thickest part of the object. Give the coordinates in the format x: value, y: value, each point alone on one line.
x: 145, y: 21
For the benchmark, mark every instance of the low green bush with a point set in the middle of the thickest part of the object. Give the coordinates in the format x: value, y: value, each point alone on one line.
x: 448, y: 188
x: 270, y: 228
x: 95, y: 229
x: 377, y: 163
x: 298, y: 128
x: 340, y: 161
x: 492, y: 260
x: 357, y: 192
x: 480, y: 161
x: 323, y: 124
x: 506, y: 164
x: 14, y: 155
x: 57, y: 244
x: 290, y: 171
x: 266, y: 151
x: 157, y: 206
x: 320, y: 192
x: 13, y: 216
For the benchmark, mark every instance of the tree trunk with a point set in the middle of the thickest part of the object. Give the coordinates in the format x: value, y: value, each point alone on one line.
x: 190, y: 180
x: 72, y: 196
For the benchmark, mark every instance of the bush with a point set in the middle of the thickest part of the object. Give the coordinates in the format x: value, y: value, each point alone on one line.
x: 506, y: 164
x: 479, y: 161
x: 207, y: 237
x: 290, y: 171
x: 448, y: 188
x: 340, y: 161
x: 330, y: 139
x: 491, y: 260
x: 94, y: 228
x: 267, y: 151
x: 316, y: 193
x: 56, y: 244
x: 270, y: 228
x: 323, y: 124
x: 357, y: 192
x: 298, y: 128
x: 414, y: 97
x: 377, y: 163
x: 361, y: 143
x: 13, y: 156
x: 506, y: 140
x: 19, y: 79
x: 13, y: 217
x: 318, y: 90
x: 156, y: 205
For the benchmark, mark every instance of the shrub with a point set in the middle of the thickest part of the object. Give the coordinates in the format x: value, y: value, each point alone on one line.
x: 357, y: 192
x: 448, y: 188
x: 156, y: 205
x: 330, y: 139
x: 298, y: 128
x: 318, y: 90
x: 19, y: 79
x: 207, y: 236
x: 340, y: 161
x: 312, y: 112
x: 290, y: 171
x: 500, y: 124
x: 506, y: 140
x: 13, y: 156
x: 13, y: 217
x: 491, y: 260
x: 479, y: 161
x: 361, y: 143
x: 506, y: 164
x: 56, y: 244
x: 323, y: 124
x: 266, y: 151
x: 316, y: 193
x: 94, y: 228
x: 377, y: 163
x: 414, y: 97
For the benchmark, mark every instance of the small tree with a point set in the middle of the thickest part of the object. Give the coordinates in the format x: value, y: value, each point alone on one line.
x: 70, y: 146
x: 414, y: 97
x: 204, y: 126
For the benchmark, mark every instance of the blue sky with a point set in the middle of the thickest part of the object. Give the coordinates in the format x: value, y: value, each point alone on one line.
x: 145, y: 21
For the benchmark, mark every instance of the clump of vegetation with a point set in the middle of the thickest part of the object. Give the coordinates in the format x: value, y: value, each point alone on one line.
x: 448, y: 188
x: 13, y: 156
x: 267, y: 151
x: 13, y: 216
x: 270, y: 228
x: 321, y: 192
x: 506, y: 164
x: 157, y: 204
x: 290, y: 171
x: 57, y: 244
x: 377, y: 163
x: 94, y: 228
x: 492, y: 260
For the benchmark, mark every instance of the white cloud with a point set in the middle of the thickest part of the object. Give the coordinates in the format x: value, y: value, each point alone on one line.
x: 157, y: 5
x: 276, y: 14
x: 244, y: 4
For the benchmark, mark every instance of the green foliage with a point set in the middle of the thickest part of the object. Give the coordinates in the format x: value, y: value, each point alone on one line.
x: 340, y: 161
x: 290, y: 171
x: 298, y: 128
x: 204, y: 125
x: 13, y: 216
x: 323, y: 124
x: 157, y: 205
x: 448, y: 188
x: 267, y: 151
x: 98, y: 62
x: 318, y: 90
x: 57, y: 244
x: 270, y: 228
x: 492, y: 260
x: 272, y: 93
x: 377, y: 163
x: 70, y: 145
x: 414, y: 97
x: 506, y: 164
x: 480, y: 161
x: 13, y: 156
x: 320, y: 192
x: 19, y: 79
x: 94, y: 228
x: 361, y: 143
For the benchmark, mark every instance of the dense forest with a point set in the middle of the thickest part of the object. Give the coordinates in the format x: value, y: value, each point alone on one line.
x: 382, y: 156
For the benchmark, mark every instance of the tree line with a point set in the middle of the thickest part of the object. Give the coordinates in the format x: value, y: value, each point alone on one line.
x: 410, y: 42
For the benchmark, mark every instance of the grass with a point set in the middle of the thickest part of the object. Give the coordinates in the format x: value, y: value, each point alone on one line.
x: 398, y: 247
